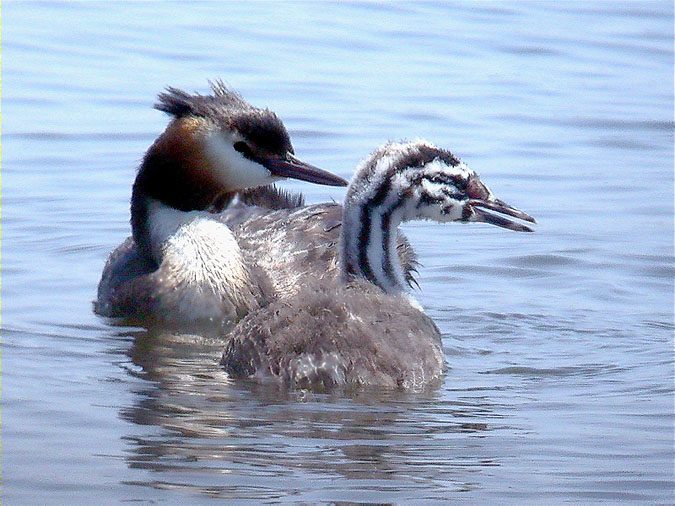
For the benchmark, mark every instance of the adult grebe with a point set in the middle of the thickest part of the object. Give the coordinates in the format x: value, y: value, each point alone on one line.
x: 357, y: 326
x: 182, y: 266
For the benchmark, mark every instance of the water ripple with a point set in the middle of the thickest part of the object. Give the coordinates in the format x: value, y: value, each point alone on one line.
x: 558, y: 345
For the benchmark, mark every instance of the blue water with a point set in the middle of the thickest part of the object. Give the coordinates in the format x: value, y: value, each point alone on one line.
x: 559, y: 343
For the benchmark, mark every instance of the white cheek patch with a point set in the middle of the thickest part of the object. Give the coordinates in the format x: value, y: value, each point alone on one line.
x: 234, y: 171
x: 445, y: 213
x: 448, y: 208
x: 454, y: 213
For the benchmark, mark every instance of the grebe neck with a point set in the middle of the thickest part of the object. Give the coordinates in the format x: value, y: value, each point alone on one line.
x: 175, y: 176
x: 368, y: 241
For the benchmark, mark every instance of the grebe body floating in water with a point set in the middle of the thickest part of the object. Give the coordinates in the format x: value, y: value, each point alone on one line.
x: 356, y: 325
x: 183, y: 267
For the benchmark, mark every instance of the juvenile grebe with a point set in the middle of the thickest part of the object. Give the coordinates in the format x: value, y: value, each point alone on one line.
x: 182, y: 266
x: 358, y: 326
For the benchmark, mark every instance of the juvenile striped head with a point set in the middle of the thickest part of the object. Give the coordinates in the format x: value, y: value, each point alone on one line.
x: 417, y: 180
x: 410, y: 181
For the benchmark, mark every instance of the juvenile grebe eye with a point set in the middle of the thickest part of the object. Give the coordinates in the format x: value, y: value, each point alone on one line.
x: 244, y: 149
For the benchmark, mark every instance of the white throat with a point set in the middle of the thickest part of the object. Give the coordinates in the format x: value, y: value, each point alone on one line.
x: 197, y: 248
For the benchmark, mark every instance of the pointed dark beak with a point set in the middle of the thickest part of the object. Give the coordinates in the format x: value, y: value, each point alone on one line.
x: 496, y: 205
x: 294, y: 168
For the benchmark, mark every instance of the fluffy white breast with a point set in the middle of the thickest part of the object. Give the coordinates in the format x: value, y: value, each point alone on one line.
x: 206, y: 253
x: 201, y: 257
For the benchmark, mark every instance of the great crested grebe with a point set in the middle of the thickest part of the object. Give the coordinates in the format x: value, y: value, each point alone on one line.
x: 182, y: 266
x: 356, y: 325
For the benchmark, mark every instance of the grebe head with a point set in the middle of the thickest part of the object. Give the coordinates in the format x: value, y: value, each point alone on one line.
x: 410, y: 181
x: 426, y: 182
x: 241, y: 146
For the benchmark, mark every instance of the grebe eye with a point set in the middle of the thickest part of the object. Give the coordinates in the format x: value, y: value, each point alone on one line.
x: 244, y: 149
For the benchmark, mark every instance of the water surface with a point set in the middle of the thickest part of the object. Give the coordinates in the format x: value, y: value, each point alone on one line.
x: 559, y: 344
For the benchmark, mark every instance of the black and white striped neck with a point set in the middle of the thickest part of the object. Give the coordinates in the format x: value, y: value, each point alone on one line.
x: 368, y: 250
x: 395, y: 184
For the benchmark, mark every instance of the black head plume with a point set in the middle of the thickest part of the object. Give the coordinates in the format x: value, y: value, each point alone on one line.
x: 179, y: 103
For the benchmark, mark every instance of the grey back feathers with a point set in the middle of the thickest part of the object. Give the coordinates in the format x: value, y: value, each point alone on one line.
x: 293, y: 244
x: 332, y: 336
x: 271, y: 197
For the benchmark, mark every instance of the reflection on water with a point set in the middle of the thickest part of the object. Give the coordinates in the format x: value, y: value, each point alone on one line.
x: 242, y: 431
x: 559, y: 345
